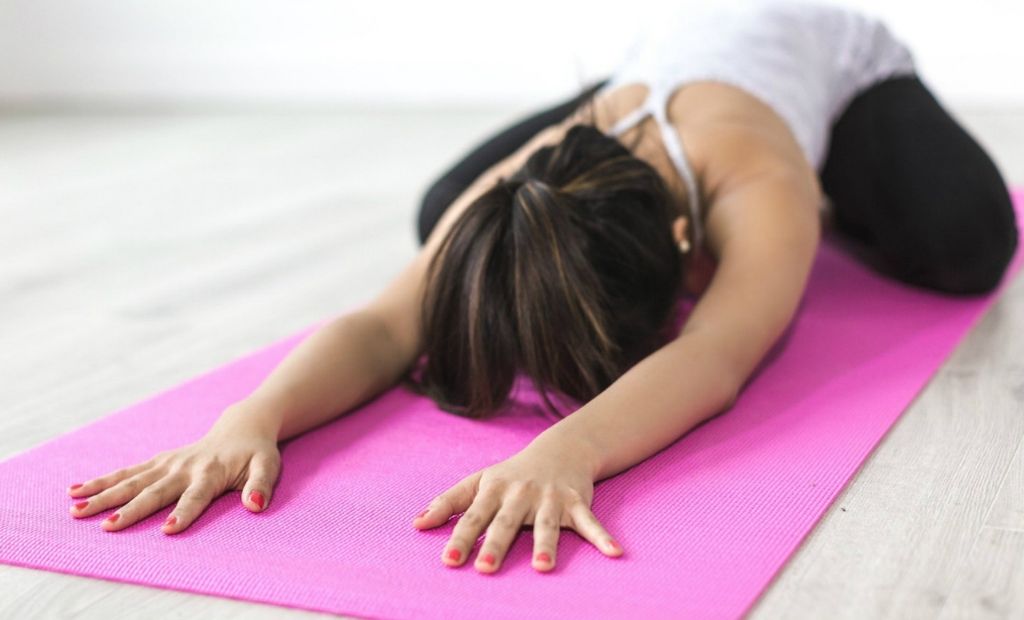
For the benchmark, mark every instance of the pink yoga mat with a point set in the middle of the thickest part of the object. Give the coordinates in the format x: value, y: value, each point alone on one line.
x: 705, y: 523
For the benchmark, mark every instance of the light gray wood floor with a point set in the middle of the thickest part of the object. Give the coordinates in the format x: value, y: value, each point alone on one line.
x: 139, y: 249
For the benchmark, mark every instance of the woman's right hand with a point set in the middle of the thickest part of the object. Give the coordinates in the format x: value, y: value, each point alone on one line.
x: 233, y: 455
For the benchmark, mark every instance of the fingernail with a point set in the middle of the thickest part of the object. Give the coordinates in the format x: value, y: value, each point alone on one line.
x: 171, y: 520
x: 488, y: 559
x: 543, y: 557
x: 75, y: 486
x: 454, y: 554
x: 113, y: 518
x: 613, y: 544
x: 420, y: 516
x: 257, y: 498
x: 81, y: 505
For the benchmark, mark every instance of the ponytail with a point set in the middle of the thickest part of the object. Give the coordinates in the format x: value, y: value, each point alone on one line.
x: 566, y: 271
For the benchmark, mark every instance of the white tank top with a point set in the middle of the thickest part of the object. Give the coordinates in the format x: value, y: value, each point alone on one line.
x: 805, y: 61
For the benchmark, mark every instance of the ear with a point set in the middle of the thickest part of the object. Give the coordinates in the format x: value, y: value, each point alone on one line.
x: 679, y: 228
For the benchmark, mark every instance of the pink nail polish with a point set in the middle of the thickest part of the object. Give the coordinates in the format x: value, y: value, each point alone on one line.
x: 171, y: 520
x: 488, y: 559
x: 544, y: 557
x: 76, y: 485
x: 613, y: 544
x: 113, y: 518
x: 454, y: 554
x: 257, y: 498
x: 81, y: 505
x: 420, y: 516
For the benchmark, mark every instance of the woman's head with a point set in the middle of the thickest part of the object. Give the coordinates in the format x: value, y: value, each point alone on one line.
x: 566, y: 271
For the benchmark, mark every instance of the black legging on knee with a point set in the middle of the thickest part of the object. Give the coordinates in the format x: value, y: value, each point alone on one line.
x: 917, y: 192
x: 909, y: 186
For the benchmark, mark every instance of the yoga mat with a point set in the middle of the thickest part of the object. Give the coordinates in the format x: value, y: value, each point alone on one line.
x: 705, y: 524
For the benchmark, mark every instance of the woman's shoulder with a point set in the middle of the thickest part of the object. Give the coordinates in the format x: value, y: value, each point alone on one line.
x: 733, y: 138
x: 725, y: 131
x: 701, y: 111
x: 707, y: 112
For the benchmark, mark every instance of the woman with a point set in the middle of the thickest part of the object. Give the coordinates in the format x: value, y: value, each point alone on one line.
x: 559, y: 246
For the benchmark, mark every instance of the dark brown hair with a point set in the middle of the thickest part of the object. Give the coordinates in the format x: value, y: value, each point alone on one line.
x: 567, y: 271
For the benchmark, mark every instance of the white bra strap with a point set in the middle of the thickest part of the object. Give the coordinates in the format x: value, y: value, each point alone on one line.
x: 634, y: 117
x: 676, y: 153
x: 674, y: 146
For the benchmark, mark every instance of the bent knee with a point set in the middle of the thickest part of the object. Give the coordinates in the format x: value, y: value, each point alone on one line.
x: 973, y: 259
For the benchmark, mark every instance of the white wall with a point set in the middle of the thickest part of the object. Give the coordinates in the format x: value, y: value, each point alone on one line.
x: 411, y: 52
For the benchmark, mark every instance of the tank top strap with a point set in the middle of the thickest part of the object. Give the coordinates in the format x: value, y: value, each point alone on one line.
x: 628, y: 121
x: 655, y: 104
x: 676, y: 152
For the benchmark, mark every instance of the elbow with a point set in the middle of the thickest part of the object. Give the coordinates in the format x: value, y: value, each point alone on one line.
x: 730, y: 396
x: 737, y: 376
x: 731, y: 386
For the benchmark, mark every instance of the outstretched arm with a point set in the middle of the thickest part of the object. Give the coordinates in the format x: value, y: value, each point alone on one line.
x: 766, y: 252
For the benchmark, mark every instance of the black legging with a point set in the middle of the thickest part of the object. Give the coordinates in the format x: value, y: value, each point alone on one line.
x: 913, y: 194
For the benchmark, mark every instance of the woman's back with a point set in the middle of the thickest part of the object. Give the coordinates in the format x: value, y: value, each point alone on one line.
x: 805, y: 61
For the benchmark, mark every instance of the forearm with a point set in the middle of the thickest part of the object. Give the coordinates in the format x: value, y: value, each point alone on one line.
x: 649, y: 407
x: 339, y: 366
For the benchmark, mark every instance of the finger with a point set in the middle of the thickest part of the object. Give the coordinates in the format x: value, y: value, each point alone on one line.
x: 193, y: 502
x: 155, y: 496
x: 587, y: 526
x: 546, y: 529
x: 94, y: 486
x: 502, y: 531
x: 453, y: 501
x: 116, y: 495
x: 469, y: 527
x: 264, y: 468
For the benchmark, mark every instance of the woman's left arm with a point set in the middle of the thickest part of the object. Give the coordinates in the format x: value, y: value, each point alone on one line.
x: 769, y: 236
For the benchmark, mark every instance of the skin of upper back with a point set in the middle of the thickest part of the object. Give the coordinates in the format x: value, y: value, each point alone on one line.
x: 730, y: 137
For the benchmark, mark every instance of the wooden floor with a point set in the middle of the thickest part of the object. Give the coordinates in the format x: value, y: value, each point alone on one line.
x: 140, y: 249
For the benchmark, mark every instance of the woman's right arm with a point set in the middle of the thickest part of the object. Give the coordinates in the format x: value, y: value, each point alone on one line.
x: 340, y: 366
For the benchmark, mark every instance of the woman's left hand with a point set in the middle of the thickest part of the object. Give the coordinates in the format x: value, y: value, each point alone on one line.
x: 544, y: 485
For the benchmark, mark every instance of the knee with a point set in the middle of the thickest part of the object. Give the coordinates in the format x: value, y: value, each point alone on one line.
x: 972, y: 258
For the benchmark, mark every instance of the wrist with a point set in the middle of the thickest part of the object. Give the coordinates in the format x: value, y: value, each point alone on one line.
x: 255, y: 415
x: 573, y: 446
